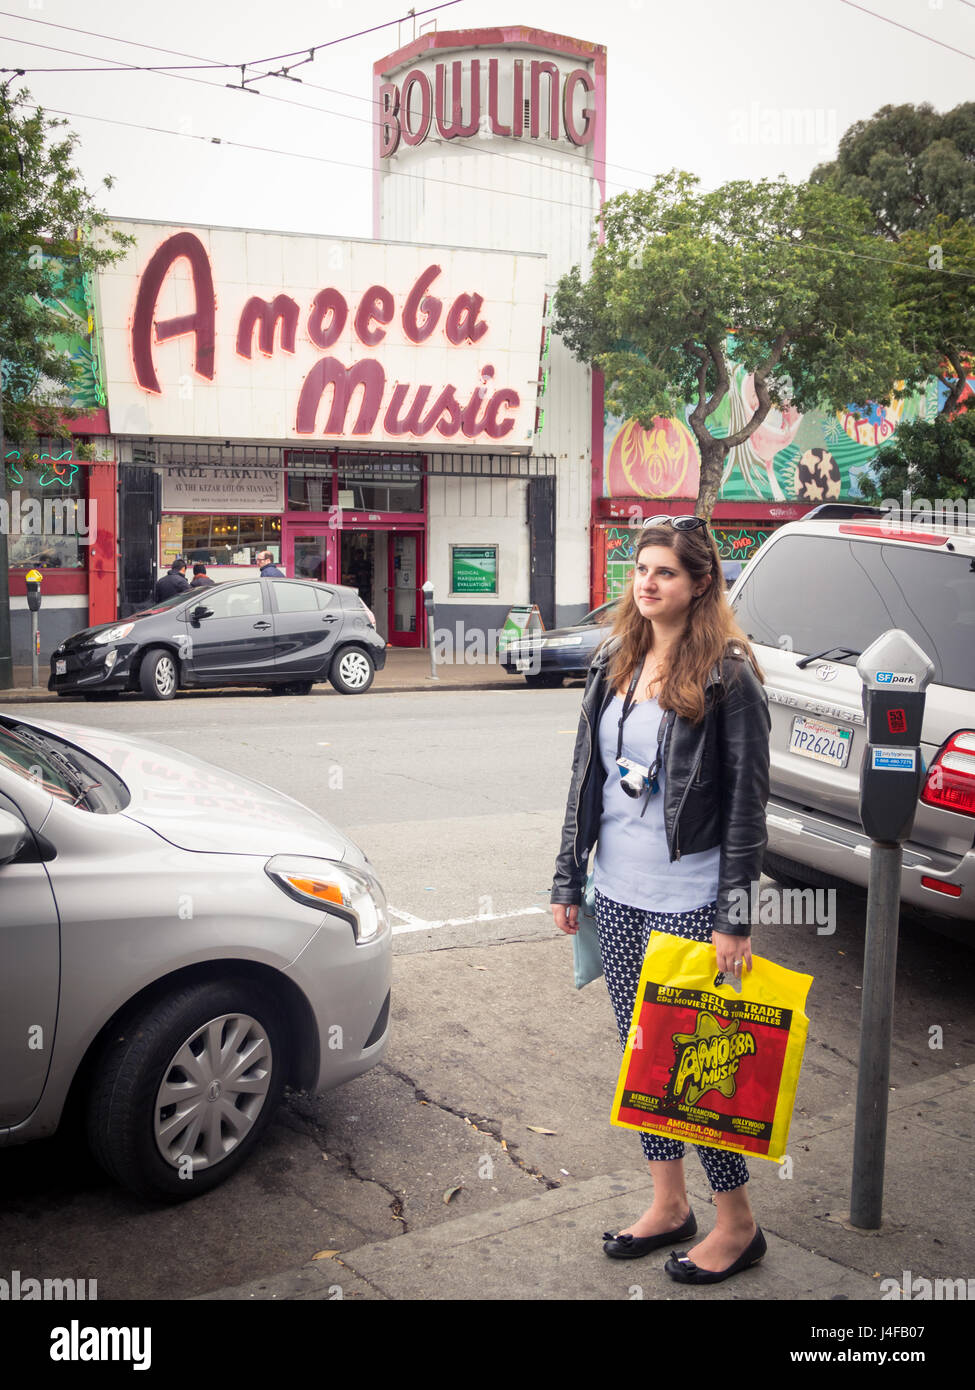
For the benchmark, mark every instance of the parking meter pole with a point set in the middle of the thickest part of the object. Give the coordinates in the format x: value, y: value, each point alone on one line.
x: 33, y: 580
x: 876, y: 1023
x: 895, y: 672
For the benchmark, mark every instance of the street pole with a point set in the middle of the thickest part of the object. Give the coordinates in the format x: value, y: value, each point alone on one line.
x: 6, y: 648
x: 876, y: 1025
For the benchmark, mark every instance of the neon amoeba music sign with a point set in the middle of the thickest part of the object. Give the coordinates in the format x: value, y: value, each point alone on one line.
x: 436, y: 346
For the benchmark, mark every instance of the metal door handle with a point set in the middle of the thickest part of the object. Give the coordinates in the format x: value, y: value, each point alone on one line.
x: 262, y: 624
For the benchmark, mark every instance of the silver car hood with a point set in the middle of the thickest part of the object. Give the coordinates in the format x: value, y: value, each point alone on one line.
x: 196, y: 806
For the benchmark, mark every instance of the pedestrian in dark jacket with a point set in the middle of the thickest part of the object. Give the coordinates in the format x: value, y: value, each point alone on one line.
x: 670, y: 776
x: 269, y: 569
x: 201, y: 580
x: 172, y: 583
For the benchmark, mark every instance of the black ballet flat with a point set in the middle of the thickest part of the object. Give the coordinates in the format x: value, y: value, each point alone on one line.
x: 633, y: 1247
x: 685, y: 1271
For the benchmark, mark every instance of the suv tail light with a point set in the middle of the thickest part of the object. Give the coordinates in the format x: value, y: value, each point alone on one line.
x: 950, y: 782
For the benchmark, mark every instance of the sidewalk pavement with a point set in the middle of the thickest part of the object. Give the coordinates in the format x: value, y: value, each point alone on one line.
x: 406, y: 669
x: 547, y: 1247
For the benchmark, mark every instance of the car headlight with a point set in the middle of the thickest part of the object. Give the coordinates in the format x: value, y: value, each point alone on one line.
x: 113, y: 634
x: 564, y: 641
x: 350, y: 893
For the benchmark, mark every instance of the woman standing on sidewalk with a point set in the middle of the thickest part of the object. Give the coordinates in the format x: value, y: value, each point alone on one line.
x: 670, y: 775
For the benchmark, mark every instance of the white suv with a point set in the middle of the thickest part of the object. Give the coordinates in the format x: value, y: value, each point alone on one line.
x: 814, y: 597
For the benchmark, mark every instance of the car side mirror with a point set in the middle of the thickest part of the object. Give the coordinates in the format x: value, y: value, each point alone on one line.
x: 200, y: 612
x: 13, y: 836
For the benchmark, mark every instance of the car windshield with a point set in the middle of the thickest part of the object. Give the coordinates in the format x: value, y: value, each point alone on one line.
x: 165, y: 603
x: 597, y: 617
x: 824, y: 593
x: 61, y: 769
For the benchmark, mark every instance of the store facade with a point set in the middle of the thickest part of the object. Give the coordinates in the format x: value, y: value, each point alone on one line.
x: 309, y: 397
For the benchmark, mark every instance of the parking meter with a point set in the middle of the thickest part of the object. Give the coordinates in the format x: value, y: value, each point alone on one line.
x: 33, y: 581
x: 895, y: 673
x: 427, y: 591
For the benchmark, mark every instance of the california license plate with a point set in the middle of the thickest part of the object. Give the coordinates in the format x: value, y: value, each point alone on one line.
x: 816, y: 738
x: 60, y: 668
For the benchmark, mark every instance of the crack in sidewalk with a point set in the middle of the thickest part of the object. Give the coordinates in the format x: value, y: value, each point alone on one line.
x: 482, y: 1123
x: 314, y: 1127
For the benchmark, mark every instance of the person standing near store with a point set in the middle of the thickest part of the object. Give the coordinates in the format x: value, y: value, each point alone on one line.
x: 269, y: 569
x: 670, y: 776
x: 173, y: 583
x: 201, y: 580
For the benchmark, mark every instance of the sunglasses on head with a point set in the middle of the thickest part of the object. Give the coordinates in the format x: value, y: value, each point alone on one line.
x: 679, y: 523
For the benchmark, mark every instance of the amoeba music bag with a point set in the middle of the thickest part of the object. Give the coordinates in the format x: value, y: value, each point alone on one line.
x: 705, y: 1063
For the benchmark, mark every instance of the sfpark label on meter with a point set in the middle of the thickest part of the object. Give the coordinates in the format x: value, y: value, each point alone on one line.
x: 893, y: 759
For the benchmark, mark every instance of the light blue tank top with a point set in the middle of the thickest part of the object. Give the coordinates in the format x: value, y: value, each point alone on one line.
x: 632, y: 864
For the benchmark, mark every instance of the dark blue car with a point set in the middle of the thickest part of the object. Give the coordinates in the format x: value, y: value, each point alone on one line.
x: 547, y: 658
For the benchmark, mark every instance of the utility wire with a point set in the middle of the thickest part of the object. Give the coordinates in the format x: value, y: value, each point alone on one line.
x: 308, y: 52
x: 452, y: 183
x: 916, y: 32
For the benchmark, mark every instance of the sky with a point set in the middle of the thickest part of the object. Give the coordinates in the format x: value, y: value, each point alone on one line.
x: 727, y: 89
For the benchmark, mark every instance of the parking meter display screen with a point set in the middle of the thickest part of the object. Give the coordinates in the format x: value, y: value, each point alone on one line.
x: 823, y: 592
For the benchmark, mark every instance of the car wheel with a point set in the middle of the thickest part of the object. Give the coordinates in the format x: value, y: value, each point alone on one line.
x: 185, y: 1089
x: 544, y: 680
x: 351, y: 671
x: 158, y: 674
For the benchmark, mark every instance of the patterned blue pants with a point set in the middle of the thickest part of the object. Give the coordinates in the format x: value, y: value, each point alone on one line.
x: 624, y: 933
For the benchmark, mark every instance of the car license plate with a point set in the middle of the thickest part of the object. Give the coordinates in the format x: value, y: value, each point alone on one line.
x: 815, y: 738
x: 61, y: 668
x: 523, y: 663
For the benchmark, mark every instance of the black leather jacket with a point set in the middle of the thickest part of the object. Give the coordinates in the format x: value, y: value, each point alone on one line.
x: 716, y: 784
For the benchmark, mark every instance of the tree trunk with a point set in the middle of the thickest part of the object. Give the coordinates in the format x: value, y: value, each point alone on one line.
x: 713, y: 454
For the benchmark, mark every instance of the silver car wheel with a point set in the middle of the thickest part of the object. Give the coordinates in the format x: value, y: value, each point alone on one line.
x: 213, y: 1091
x: 164, y: 676
x: 354, y: 669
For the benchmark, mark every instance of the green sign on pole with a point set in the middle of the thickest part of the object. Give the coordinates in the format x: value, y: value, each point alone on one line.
x: 474, y: 569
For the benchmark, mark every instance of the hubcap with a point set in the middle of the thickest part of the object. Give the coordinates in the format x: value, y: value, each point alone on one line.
x: 165, y: 676
x: 213, y: 1091
x: 354, y: 669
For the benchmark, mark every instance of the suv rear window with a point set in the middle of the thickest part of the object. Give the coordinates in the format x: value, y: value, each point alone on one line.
x: 825, y: 591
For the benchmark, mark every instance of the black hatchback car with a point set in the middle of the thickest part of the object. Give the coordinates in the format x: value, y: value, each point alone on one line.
x: 285, y: 634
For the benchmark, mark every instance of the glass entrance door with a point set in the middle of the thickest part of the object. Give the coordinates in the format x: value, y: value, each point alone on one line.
x: 405, y: 599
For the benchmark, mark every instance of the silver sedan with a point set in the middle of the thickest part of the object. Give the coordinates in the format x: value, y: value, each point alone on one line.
x: 179, y: 943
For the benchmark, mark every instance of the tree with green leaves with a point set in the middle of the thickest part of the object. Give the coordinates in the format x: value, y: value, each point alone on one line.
x: 934, y: 284
x: 44, y: 209
x: 930, y: 459
x: 784, y: 280
x: 915, y: 169
x: 911, y: 165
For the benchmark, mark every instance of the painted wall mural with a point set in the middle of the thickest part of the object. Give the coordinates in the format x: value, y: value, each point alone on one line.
x: 791, y: 457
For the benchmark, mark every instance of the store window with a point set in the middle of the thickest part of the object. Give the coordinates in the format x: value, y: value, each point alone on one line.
x: 370, y: 483
x: 46, y: 517
x: 219, y: 539
x: 309, y: 492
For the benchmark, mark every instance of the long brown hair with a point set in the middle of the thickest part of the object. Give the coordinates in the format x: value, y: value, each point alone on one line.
x: 710, y: 627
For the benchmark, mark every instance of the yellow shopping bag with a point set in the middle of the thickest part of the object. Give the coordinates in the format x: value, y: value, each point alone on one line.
x: 705, y: 1063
